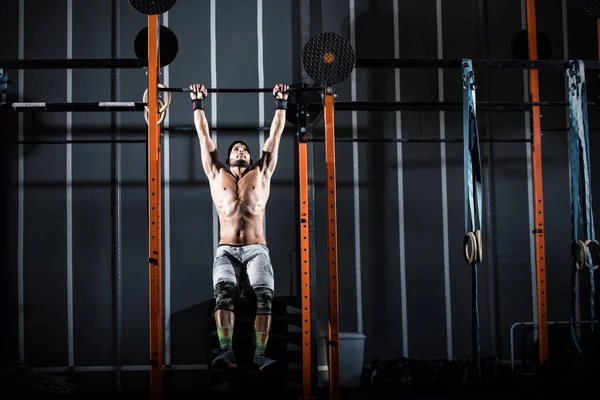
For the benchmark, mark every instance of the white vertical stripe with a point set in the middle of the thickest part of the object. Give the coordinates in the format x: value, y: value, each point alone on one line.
x: 356, y: 182
x: 261, y: 84
x: 166, y: 151
x: 445, y: 233
x: 213, y: 102
x: 529, y: 181
x: 21, y: 195
x: 69, y: 179
x: 565, y: 37
x: 401, y: 244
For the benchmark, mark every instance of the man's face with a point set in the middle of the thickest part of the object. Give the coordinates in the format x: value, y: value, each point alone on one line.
x: 239, y: 157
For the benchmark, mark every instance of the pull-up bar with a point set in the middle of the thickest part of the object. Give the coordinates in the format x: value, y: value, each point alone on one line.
x: 243, y: 90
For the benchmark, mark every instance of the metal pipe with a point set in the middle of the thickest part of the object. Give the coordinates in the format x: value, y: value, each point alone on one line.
x: 488, y: 173
x: 116, y: 211
x: 482, y: 63
x: 74, y: 107
x: 339, y: 106
x: 439, y: 17
x: 74, y: 141
x: 69, y: 192
x: 75, y: 63
x: 516, y: 324
x: 132, y: 130
x: 434, y: 105
x: 112, y: 368
x: 133, y: 63
x: 359, y: 140
x: 419, y: 140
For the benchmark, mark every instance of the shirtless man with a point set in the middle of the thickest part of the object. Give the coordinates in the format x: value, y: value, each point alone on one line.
x: 240, y: 194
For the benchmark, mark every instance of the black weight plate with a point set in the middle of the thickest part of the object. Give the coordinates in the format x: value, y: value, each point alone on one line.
x: 168, y: 45
x: 152, y: 7
x: 592, y: 7
x: 328, y: 58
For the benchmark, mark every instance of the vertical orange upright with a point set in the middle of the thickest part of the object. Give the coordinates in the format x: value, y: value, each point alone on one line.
x: 154, y: 228
x: 538, y: 188
x: 598, y: 37
x: 332, y: 254
x: 305, y: 272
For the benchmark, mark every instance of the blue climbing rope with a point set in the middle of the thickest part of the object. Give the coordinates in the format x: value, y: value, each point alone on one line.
x: 473, y: 194
x: 582, y: 222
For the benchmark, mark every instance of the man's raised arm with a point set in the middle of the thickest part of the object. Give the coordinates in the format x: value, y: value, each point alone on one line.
x: 208, y: 150
x: 271, y: 146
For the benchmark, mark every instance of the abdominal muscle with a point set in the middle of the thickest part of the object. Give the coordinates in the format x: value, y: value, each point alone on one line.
x: 240, y: 206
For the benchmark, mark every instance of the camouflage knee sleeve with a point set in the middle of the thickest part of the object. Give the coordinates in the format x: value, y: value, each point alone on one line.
x: 225, y: 295
x: 264, y: 300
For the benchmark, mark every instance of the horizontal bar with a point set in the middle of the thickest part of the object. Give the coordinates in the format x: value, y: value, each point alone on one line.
x: 358, y: 140
x: 221, y: 129
x: 76, y: 63
x: 58, y: 107
x: 421, y: 140
x: 339, y: 106
x: 110, y: 368
x: 241, y: 90
x: 434, y: 106
x: 456, y: 63
x: 72, y: 141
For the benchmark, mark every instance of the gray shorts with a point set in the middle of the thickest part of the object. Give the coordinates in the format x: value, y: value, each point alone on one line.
x: 247, y: 266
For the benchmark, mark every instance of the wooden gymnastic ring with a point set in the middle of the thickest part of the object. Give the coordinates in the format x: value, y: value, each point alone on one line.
x: 479, y: 238
x: 582, y: 260
x: 162, y: 114
x: 166, y: 95
x: 470, y: 240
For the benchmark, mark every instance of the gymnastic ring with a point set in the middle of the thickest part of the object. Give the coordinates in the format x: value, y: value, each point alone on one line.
x: 162, y: 114
x: 582, y: 261
x: 470, y: 241
x: 166, y: 95
x: 479, y: 246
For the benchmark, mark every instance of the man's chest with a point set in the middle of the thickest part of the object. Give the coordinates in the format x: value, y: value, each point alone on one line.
x: 247, y: 187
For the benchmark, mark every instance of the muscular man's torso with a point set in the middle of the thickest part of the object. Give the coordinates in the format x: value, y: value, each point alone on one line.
x: 240, y: 204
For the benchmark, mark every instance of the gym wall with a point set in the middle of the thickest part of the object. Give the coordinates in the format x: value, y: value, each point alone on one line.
x: 403, y: 281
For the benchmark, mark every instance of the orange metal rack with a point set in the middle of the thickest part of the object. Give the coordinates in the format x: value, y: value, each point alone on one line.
x: 538, y: 188
x: 332, y: 253
x: 305, y: 271
x: 154, y: 206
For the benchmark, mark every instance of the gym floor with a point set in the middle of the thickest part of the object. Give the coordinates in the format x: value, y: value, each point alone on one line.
x: 189, y: 384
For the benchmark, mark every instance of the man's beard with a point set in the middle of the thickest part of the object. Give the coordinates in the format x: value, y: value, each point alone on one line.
x: 240, y: 163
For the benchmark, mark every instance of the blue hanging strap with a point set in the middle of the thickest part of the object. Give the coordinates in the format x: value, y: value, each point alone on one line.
x: 3, y: 85
x: 585, y: 246
x: 473, y: 196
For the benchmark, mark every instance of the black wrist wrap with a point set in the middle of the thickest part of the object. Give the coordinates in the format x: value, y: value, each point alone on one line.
x: 197, y: 104
x: 280, y: 104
